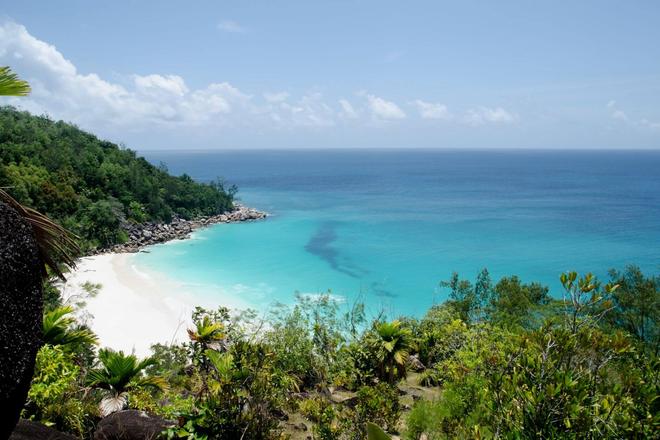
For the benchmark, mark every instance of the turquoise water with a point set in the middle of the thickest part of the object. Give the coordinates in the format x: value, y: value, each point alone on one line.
x: 387, y: 226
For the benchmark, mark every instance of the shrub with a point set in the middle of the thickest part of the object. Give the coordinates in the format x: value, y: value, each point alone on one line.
x: 378, y: 404
x: 323, y: 414
x: 55, y: 398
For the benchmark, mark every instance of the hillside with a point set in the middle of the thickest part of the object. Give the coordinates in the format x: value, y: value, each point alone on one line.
x: 91, y: 186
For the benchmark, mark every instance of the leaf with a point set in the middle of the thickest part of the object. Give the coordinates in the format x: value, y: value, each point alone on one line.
x: 11, y: 85
x: 113, y: 403
x: 375, y: 433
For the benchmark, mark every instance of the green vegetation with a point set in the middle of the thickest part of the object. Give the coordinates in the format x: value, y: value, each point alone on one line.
x: 90, y: 186
x: 61, y: 328
x: 118, y: 375
x: 507, y: 360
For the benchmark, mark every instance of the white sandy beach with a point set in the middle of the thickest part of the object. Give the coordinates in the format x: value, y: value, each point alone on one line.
x: 134, y: 309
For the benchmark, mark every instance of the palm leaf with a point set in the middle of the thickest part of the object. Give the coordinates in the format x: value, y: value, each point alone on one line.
x: 57, y: 329
x: 57, y: 246
x: 119, y: 372
x: 223, y: 362
x: 113, y: 403
x: 156, y: 383
x: 206, y: 331
x: 11, y: 85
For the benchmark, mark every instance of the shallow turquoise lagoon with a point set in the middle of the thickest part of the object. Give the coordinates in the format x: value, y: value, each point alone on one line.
x: 385, y: 227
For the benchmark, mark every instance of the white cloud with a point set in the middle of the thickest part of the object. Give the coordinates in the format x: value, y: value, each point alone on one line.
x: 484, y: 115
x: 276, y: 97
x: 382, y: 109
x: 231, y: 27
x: 429, y: 110
x: 348, y: 111
x: 143, y: 101
x: 309, y: 111
x: 157, y: 84
x: 648, y: 124
x: 621, y: 116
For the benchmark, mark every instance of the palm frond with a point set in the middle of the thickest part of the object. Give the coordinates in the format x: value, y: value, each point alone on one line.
x: 57, y: 246
x: 156, y: 383
x: 206, y: 331
x: 120, y: 372
x: 11, y: 84
x: 113, y: 403
x: 58, y: 329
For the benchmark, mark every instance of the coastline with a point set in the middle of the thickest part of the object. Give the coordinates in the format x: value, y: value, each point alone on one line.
x: 147, y: 234
x: 134, y: 309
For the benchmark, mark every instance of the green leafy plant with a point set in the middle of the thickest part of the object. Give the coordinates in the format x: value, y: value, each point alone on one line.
x: 375, y: 433
x: 117, y: 376
x: 55, y: 397
x: 11, y: 85
x: 390, y: 344
x: 61, y: 328
x: 378, y: 404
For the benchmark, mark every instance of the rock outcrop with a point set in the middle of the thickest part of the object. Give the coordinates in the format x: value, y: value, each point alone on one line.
x: 28, y: 430
x: 145, y: 234
x: 131, y: 425
x: 21, y: 306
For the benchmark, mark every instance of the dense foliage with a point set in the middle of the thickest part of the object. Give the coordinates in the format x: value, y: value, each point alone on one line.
x: 91, y: 186
x: 496, y: 360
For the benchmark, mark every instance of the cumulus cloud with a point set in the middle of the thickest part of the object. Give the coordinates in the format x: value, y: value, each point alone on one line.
x: 622, y: 117
x: 157, y: 84
x: 231, y: 26
x: 141, y: 101
x: 276, y: 97
x: 383, y: 109
x: 309, y: 111
x: 485, y: 115
x: 164, y: 101
x: 429, y: 110
x: 348, y: 111
x: 649, y: 124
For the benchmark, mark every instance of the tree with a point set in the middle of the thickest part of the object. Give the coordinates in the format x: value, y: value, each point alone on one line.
x: 207, y: 333
x: 102, y: 219
x: 468, y: 300
x: 637, y: 305
x: 391, y: 345
x: 118, y: 375
x: 585, y: 301
x: 512, y: 302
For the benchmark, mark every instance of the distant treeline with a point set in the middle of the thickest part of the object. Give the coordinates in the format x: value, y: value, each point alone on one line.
x: 92, y: 186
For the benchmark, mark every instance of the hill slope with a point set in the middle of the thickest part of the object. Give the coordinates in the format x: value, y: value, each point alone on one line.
x: 92, y: 186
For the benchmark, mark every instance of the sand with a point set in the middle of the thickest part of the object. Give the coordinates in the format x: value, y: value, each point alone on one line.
x: 133, y: 308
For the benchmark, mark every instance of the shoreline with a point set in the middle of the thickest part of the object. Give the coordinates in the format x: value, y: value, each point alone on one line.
x: 134, y: 309
x: 146, y: 234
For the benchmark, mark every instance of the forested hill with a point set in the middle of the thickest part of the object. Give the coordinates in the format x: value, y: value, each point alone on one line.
x: 92, y: 186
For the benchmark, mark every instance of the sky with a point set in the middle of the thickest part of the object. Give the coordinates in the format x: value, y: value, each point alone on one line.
x: 342, y: 74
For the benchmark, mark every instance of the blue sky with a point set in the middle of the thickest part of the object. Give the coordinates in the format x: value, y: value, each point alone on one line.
x: 311, y: 74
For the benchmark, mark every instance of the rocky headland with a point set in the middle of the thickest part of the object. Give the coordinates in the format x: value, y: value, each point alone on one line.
x: 146, y: 234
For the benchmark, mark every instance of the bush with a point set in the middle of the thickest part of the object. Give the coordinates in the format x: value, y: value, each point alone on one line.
x: 323, y: 414
x: 55, y: 398
x: 378, y: 404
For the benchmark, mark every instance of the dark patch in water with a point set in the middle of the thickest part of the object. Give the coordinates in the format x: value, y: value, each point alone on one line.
x: 378, y: 290
x: 320, y: 244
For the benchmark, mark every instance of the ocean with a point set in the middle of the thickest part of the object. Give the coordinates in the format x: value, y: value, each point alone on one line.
x: 386, y: 226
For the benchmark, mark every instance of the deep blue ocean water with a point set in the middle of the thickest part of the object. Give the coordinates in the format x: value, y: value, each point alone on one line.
x: 386, y: 226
